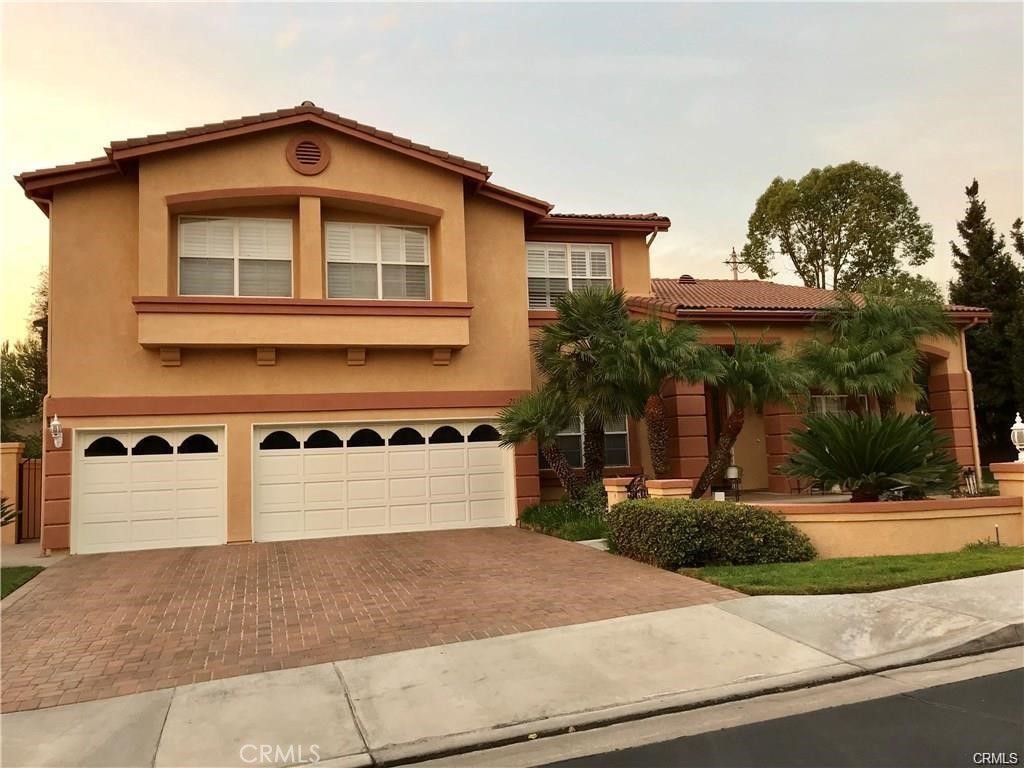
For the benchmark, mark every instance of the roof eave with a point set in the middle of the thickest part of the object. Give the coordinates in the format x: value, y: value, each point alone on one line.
x: 562, y: 224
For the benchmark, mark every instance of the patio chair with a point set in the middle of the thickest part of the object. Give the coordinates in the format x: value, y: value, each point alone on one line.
x: 637, y: 488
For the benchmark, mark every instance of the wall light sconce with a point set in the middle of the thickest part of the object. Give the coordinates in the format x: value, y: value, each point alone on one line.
x: 1017, y: 437
x: 56, y: 432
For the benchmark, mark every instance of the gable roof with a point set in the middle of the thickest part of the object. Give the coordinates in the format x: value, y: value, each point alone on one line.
x: 120, y: 157
x: 687, y: 296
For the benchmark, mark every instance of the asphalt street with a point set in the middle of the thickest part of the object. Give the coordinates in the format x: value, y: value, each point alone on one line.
x: 973, y: 722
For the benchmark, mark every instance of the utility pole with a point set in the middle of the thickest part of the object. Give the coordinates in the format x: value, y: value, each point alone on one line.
x: 737, y: 266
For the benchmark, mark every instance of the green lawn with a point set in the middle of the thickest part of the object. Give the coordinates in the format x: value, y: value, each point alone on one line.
x: 12, y: 578
x: 860, y: 574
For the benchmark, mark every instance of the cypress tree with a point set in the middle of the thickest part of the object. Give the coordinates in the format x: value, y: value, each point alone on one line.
x: 988, y: 277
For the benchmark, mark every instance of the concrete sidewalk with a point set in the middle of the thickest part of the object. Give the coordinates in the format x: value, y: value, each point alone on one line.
x: 449, y: 698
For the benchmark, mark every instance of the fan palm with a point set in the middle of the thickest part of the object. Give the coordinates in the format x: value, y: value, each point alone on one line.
x: 651, y: 354
x: 576, y: 355
x: 869, y: 349
x: 540, y: 416
x: 872, y: 454
x: 755, y: 373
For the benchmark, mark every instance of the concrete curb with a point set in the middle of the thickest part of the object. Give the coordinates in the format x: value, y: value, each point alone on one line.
x: 473, y: 741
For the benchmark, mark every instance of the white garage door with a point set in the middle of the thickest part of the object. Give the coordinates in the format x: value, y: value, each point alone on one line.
x: 148, y: 489
x: 338, y: 480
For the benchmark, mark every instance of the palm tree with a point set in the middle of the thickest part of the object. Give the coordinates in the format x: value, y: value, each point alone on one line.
x: 651, y: 355
x: 576, y: 355
x: 540, y: 416
x: 755, y: 374
x: 869, y: 349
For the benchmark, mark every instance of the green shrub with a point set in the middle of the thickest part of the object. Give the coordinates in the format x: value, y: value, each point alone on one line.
x: 871, y: 455
x: 685, y: 533
x: 574, y: 520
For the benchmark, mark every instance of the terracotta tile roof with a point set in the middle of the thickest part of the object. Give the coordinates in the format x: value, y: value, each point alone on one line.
x: 703, y: 294
x: 301, y: 109
x: 81, y: 165
x: 612, y: 216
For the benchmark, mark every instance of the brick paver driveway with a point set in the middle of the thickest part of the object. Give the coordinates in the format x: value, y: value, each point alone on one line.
x: 105, y: 625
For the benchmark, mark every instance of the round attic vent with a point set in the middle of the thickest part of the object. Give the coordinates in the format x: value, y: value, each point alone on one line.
x: 308, y: 155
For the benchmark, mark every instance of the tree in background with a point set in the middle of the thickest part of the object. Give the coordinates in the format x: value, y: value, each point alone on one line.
x: 988, y: 277
x: 904, y: 286
x: 839, y: 226
x: 23, y: 376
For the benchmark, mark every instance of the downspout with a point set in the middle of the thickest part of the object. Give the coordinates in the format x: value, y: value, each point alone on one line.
x: 970, y: 397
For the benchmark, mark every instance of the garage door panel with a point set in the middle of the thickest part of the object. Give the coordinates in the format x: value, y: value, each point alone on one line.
x: 324, y: 462
x: 140, y: 501
x: 402, y: 488
x: 442, y: 459
x: 205, y: 471
x: 278, y: 464
x: 366, y: 491
x: 448, y: 512
x: 321, y: 520
x: 280, y: 521
x: 405, y: 515
x: 330, y: 492
x: 363, y: 461
x: 367, y: 517
x: 447, y: 485
x: 485, y: 458
x: 158, y: 529
x: 489, y: 483
x: 487, y: 509
x: 407, y: 461
x: 149, y: 502
x: 277, y: 494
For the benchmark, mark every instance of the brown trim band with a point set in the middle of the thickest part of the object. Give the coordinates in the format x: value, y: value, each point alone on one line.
x: 599, y: 225
x: 727, y: 315
x: 228, y: 305
x: 515, y: 199
x: 325, y: 193
x: 180, y: 405
x: 892, y: 507
x: 305, y: 118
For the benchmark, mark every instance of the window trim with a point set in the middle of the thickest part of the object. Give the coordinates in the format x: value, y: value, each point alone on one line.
x: 378, y: 229
x: 236, y: 254
x: 568, y: 245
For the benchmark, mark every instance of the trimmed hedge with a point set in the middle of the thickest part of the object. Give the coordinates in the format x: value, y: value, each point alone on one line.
x: 685, y: 533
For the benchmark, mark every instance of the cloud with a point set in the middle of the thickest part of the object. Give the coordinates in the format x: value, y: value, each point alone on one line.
x: 286, y: 38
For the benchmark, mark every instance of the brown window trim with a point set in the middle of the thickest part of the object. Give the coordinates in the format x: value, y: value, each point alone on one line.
x: 234, y: 305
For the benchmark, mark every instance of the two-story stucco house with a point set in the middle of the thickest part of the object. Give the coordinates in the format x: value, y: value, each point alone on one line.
x: 293, y: 325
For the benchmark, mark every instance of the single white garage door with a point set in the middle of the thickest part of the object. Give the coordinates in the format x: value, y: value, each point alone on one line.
x: 148, y: 489
x: 322, y: 480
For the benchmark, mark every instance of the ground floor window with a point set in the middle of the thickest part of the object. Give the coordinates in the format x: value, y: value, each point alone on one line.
x: 822, y: 404
x: 616, y: 444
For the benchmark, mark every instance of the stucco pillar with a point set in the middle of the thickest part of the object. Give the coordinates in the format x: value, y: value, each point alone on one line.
x: 950, y: 406
x: 615, y: 487
x: 10, y: 457
x: 779, y: 421
x: 311, y: 255
x: 687, y: 428
x: 670, y: 489
x: 527, y: 476
x: 1010, y: 477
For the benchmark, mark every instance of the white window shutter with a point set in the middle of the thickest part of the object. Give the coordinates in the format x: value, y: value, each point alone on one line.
x: 391, y: 245
x: 579, y: 261
x: 415, y: 246
x: 339, y: 242
x: 600, y: 261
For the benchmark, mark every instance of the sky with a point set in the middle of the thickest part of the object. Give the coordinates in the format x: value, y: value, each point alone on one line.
x: 689, y: 110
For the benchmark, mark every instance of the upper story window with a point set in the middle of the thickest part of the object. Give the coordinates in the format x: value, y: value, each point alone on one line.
x: 377, y: 261
x: 234, y: 257
x: 552, y: 269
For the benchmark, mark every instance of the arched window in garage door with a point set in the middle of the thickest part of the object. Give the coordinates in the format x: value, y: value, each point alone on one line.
x: 485, y: 433
x: 279, y: 441
x: 446, y: 434
x: 323, y: 438
x: 106, y: 446
x: 365, y: 438
x: 406, y: 436
x: 197, y: 444
x: 152, y: 445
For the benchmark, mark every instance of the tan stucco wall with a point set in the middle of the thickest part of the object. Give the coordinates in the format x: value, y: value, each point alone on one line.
x: 908, y: 527
x: 10, y: 456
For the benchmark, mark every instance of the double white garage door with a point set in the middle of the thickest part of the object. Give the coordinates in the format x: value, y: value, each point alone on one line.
x: 335, y: 480
x: 167, y: 488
